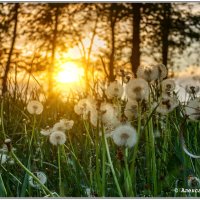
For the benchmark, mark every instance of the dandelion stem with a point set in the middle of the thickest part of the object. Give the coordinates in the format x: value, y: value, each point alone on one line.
x: 88, y: 133
x: 103, y: 167
x: 2, y: 119
x: 33, y: 131
x: 133, y: 171
x: 112, y: 169
x: 153, y: 161
x: 128, y: 173
x: 59, y: 171
x: 74, y: 155
x: 46, y: 190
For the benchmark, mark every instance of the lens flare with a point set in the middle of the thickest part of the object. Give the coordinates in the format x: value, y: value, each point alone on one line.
x: 69, y: 73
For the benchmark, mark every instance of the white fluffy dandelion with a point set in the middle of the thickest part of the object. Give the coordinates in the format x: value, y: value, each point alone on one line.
x: 57, y: 137
x: 168, y: 85
x: 148, y: 72
x: 125, y: 135
x: 41, y: 176
x: 59, y: 126
x: 193, y: 109
x: 193, y: 182
x: 84, y: 107
x: 131, y: 109
x: 162, y: 71
x: 167, y: 105
x: 67, y: 123
x: 137, y: 89
x: 108, y: 128
x: 46, y: 132
x: 115, y: 89
x: 35, y: 107
x: 192, y: 89
x: 109, y: 114
x: 63, y: 125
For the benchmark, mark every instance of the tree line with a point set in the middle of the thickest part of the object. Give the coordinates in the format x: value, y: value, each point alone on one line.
x: 130, y: 30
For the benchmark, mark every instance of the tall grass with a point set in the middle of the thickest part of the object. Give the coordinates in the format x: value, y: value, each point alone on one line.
x: 90, y: 164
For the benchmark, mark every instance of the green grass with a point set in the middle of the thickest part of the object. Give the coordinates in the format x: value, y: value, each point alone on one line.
x: 154, y: 167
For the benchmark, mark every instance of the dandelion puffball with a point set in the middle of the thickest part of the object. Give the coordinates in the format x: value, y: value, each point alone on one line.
x: 168, y: 85
x: 115, y: 89
x: 131, y: 109
x: 46, y: 132
x: 193, y: 182
x: 167, y: 105
x: 41, y: 176
x: 57, y: 137
x: 84, y: 107
x: 162, y: 71
x: 192, y: 89
x: 63, y: 125
x: 67, y: 123
x: 193, y: 109
x: 148, y: 72
x: 109, y: 114
x: 137, y: 89
x: 35, y: 107
x: 125, y: 135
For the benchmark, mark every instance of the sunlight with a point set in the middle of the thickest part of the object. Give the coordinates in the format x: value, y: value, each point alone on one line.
x: 70, y: 73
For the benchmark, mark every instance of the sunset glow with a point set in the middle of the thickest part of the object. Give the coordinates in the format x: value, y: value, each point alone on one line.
x: 70, y: 73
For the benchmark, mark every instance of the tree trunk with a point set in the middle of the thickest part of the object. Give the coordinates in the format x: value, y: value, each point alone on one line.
x: 136, y: 18
x: 113, y: 19
x: 7, y: 68
x: 51, y: 67
x: 165, y: 27
x: 112, y: 55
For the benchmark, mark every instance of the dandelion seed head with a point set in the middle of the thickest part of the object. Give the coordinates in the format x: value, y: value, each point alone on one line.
x: 162, y: 71
x: 84, y: 107
x: 125, y: 135
x: 192, y: 88
x: 67, y: 123
x: 46, y: 132
x: 41, y: 176
x: 137, y: 89
x: 166, y: 105
x: 35, y: 107
x: 109, y: 114
x: 193, y: 182
x: 108, y: 128
x: 57, y: 137
x: 168, y: 85
x: 131, y: 109
x: 115, y: 89
x: 148, y: 72
x: 193, y: 109
x: 59, y: 126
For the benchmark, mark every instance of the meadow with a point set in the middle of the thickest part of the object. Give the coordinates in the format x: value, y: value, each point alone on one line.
x: 129, y: 138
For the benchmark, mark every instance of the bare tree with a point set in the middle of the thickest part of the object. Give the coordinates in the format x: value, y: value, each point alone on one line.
x: 14, y: 35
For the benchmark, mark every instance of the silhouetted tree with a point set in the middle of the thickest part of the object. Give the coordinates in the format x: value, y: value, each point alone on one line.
x: 171, y: 28
x: 14, y: 13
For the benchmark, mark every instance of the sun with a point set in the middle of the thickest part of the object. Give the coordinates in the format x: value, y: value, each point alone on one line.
x: 70, y: 73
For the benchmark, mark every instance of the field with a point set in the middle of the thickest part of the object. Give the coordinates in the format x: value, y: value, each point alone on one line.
x: 133, y: 138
